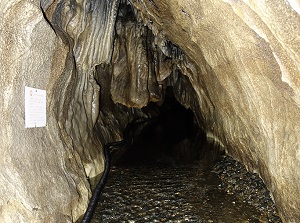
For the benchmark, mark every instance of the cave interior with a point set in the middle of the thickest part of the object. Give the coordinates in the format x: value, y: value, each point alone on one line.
x: 175, y: 81
x: 130, y: 82
x: 161, y: 129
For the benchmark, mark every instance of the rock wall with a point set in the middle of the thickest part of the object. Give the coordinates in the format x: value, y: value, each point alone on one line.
x: 42, y: 179
x: 87, y: 28
x: 46, y: 173
x: 244, y: 67
x: 240, y: 61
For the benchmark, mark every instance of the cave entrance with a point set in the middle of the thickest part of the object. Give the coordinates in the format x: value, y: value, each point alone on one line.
x: 166, y: 173
x: 147, y: 98
x: 170, y: 172
x: 170, y: 136
x: 143, y: 85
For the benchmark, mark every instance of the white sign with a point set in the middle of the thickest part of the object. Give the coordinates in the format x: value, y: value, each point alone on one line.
x: 35, y: 107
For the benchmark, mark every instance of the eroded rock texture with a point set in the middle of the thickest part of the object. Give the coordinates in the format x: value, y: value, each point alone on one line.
x: 41, y: 179
x: 245, y: 73
x: 87, y: 27
x: 52, y: 45
x: 234, y: 63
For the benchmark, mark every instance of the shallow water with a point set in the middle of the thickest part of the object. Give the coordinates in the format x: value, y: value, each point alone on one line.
x: 160, y: 193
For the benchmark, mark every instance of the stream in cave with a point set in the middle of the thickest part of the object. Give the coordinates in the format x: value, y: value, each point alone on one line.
x: 171, y: 174
x: 185, y: 193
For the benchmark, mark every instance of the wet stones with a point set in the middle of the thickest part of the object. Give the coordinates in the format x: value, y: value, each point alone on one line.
x: 189, y: 193
x: 249, y: 187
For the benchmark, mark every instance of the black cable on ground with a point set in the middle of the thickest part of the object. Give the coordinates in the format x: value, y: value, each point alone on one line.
x: 107, y: 147
x: 94, y: 200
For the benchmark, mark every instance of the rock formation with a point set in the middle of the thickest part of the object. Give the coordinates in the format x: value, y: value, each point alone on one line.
x: 235, y: 64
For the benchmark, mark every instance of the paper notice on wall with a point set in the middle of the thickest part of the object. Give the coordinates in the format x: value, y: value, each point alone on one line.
x: 35, y: 107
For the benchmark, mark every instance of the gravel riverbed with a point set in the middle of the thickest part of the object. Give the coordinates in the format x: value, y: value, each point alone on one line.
x: 248, y: 187
x: 224, y: 192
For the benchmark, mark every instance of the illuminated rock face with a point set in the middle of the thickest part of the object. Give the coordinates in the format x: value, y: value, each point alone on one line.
x: 36, y: 186
x: 246, y: 77
x: 235, y: 64
x: 42, y: 176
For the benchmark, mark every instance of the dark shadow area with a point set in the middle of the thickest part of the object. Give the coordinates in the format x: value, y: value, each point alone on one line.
x: 170, y: 138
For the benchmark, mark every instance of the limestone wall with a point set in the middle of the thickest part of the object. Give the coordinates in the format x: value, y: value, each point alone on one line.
x: 44, y: 170
x: 40, y: 180
x: 241, y: 59
x: 245, y: 71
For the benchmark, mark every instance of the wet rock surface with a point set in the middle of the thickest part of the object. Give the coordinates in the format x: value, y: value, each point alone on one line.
x: 223, y: 192
x: 248, y: 187
x: 235, y: 64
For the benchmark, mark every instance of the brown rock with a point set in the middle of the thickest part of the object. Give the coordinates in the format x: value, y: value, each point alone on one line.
x: 240, y: 61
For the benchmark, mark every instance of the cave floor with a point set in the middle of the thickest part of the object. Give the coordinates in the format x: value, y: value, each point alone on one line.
x: 222, y: 192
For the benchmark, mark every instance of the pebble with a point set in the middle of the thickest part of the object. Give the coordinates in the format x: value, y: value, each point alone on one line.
x: 247, y: 186
x: 186, y: 193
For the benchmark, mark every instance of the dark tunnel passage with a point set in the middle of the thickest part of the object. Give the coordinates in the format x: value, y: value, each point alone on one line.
x: 163, y: 128
x: 181, y: 111
x: 164, y: 131
x: 169, y: 169
x: 168, y: 137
